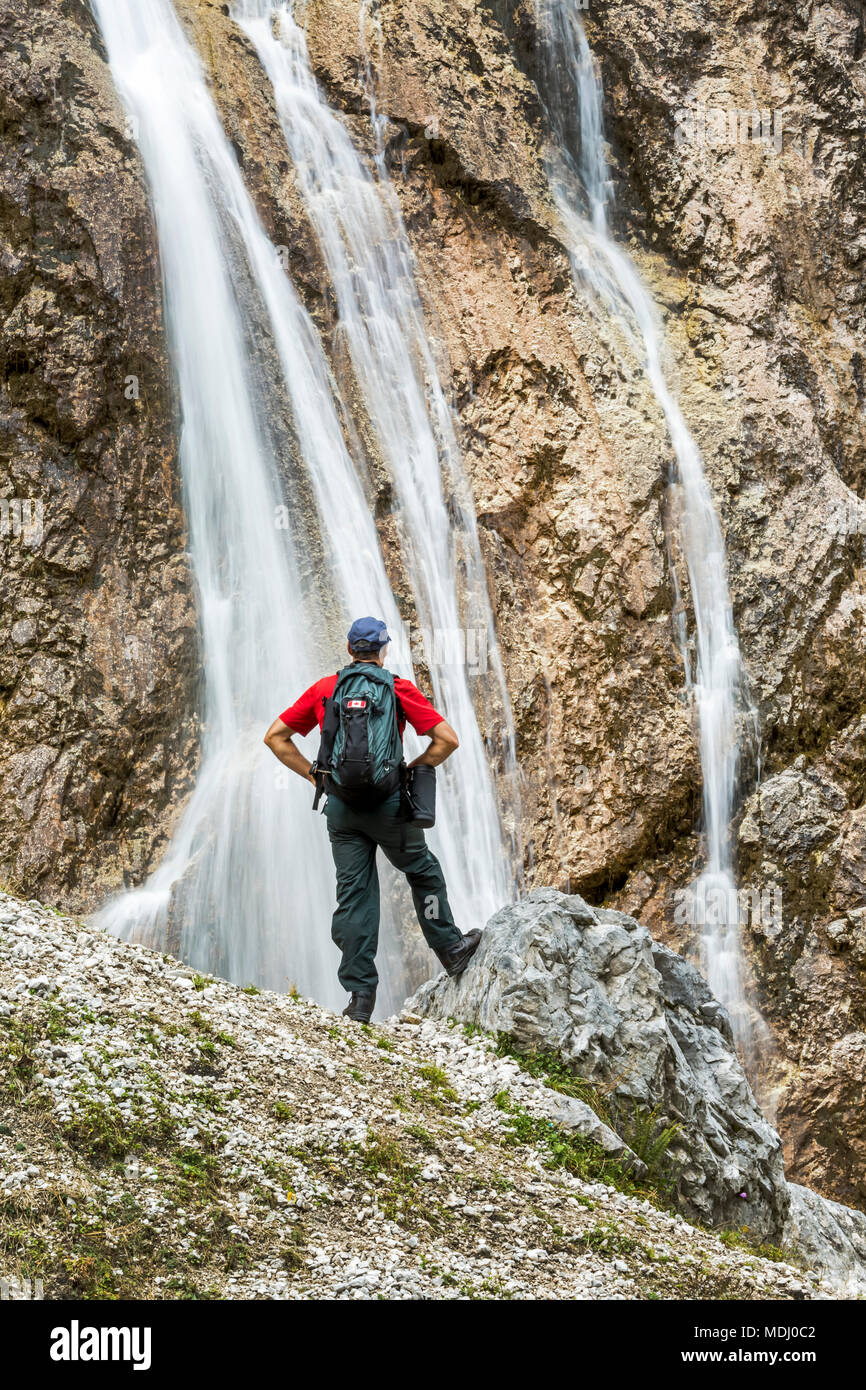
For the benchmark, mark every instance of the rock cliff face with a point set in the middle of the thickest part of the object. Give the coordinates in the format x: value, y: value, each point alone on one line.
x: 97, y: 633
x: 754, y: 253
x: 765, y: 241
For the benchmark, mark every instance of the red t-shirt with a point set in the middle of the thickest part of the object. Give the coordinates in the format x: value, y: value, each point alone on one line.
x: 309, y: 709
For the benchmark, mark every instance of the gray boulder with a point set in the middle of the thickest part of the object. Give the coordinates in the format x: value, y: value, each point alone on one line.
x: 830, y: 1238
x: 639, y: 1023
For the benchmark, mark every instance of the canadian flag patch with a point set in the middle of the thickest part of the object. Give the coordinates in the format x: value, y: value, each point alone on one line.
x: 356, y: 704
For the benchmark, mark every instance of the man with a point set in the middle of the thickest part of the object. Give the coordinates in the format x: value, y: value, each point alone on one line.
x: 356, y: 833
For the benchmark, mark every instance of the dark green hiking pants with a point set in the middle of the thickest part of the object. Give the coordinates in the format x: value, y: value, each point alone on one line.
x: 355, y: 837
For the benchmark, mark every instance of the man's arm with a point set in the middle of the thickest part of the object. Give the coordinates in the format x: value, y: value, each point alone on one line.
x: 280, y: 740
x: 443, y: 742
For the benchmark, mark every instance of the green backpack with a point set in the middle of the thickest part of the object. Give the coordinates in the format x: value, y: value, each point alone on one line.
x: 360, y: 756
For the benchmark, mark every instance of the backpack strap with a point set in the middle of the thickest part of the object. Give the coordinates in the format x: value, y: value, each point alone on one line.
x: 405, y: 812
x: 330, y: 725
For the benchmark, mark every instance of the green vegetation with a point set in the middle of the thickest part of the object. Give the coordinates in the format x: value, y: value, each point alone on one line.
x: 383, y: 1157
x: 436, y: 1092
x: 608, y: 1239
x: 739, y: 1239
x: 292, y: 1255
x: 487, y: 1288
x: 113, y: 1241
x: 209, y: 1099
x: 105, y: 1243
x: 650, y: 1139
x: 424, y: 1138
x: 434, y: 1076
x: 578, y: 1155
x: 20, y: 1039
x: 199, y: 1167
x: 182, y: 1289
x: 642, y: 1129
x: 101, y: 1132
x: 20, y: 1036
x: 550, y: 1069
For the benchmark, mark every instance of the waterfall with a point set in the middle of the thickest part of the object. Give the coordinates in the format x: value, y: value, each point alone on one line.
x: 570, y: 90
x: 245, y: 886
x: 360, y: 230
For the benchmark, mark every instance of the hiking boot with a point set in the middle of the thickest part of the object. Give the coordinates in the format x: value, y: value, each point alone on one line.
x: 360, y: 1007
x: 456, y: 958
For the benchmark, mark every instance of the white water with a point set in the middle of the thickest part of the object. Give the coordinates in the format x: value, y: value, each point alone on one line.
x: 247, y: 879
x: 360, y: 229
x: 246, y: 882
x: 570, y: 89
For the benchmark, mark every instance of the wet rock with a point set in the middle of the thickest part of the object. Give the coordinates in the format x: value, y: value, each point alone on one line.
x: 828, y: 1237
x: 97, y: 623
x: 634, y: 1020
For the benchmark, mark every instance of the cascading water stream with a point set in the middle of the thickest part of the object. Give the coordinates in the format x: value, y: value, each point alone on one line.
x: 246, y: 883
x: 577, y: 169
x: 245, y: 887
x: 365, y: 247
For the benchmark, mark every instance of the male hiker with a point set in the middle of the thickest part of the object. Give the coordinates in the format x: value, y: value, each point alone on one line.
x: 362, y: 725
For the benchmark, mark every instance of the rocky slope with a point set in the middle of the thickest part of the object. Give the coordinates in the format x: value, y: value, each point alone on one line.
x: 163, y: 1135
x: 755, y: 256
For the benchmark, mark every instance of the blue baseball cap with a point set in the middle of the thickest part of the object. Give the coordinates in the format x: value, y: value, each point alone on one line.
x: 367, y: 634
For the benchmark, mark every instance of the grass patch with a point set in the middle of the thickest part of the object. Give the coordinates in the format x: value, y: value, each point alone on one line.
x: 642, y: 1129
x: 608, y: 1239
x: 423, y: 1137
x: 292, y: 1254
x: 103, y: 1134
x: 95, y: 1253
x: 739, y: 1239
x: 383, y: 1157
x: 19, y: 1040
x: 198, y: 1167
x: 550, y: 1069
x: 578, y: 1155
x: 436, y: 1090
x: 434, y: 1076
x: 210, y: 1099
